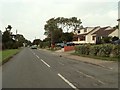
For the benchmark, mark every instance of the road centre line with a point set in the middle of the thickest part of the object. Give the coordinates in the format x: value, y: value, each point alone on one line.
x: 37, y: 56
x: 91, y: 77
x: 69, y: 83
x: 45, y: 63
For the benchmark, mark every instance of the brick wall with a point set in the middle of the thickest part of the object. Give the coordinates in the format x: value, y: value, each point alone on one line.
x: 68, y: 48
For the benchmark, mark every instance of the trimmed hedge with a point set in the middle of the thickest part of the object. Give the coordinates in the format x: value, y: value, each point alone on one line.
x: 103, y: 50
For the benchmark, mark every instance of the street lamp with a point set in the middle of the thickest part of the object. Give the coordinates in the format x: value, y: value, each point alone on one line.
x: 118, y: 28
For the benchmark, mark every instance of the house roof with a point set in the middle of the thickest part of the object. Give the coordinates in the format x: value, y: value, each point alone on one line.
x: 86, y: 33
x: 103, y: 32
x: 118, y: 19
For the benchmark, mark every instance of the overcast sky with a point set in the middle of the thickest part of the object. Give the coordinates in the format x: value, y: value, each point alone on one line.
x: 30, y: 16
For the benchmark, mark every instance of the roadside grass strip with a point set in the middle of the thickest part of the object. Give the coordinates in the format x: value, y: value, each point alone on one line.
x: 7, y: 54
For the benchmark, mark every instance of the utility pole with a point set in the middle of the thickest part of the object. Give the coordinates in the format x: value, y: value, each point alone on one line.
x: 16, y: 31
x: 118, y: 19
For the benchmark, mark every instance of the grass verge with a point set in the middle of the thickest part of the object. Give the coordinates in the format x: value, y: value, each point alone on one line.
x: 7, y: 54
x: 97, y: 57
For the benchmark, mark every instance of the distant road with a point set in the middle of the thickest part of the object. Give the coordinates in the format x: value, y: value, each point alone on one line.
x: 33, y: 68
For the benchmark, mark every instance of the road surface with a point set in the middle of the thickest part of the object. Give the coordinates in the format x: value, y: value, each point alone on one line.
x: 33, y: 68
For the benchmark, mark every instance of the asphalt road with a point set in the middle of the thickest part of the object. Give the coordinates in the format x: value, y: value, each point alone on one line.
x: 33, y: 68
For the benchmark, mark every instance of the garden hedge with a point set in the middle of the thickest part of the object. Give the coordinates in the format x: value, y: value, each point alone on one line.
x: 102, y: 50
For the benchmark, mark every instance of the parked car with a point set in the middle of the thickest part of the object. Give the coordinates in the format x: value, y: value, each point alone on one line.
x: 34, y: 47
x: 70, y: 44
x: 116, y: 42
x: 61, y: 45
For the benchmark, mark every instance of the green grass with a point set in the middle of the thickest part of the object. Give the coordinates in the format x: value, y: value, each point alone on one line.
x: 7, y: 54
x: 97, y: 57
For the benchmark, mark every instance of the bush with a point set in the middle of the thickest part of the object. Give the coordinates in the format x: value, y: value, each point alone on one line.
x: 46, y: 44
x: 83, y: 49
x: 105, y: 50
x: 94, y: 50
x: 116, y: 51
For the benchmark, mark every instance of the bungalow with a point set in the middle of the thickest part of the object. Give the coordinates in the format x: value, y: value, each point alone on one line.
x: 93, y: 34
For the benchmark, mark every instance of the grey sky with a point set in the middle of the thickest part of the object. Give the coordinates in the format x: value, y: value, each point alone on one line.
x: 29, y: 16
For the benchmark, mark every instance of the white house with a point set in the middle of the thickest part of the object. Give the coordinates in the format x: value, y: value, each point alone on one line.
x: 93, y: 34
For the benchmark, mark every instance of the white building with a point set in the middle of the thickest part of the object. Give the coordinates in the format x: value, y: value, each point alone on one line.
x: 93, y: 34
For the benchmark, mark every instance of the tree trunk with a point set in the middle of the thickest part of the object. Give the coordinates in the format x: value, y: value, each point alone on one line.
x: 52, y: 40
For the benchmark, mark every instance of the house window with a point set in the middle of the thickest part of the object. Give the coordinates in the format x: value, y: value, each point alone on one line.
x: 85, y: 30
x: 93, y: 37
x: 78, y: 31
x: 82, y: 38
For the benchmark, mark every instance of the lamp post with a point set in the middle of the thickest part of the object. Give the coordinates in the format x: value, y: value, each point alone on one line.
x: 118, y: 19
x: 118, y: 28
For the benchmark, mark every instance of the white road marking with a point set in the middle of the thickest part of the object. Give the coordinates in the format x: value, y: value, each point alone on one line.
x: 45, y: 63
x: 91, y: 77
x: 37, y: 56
x: 67, y: 81
x: 60, y: 63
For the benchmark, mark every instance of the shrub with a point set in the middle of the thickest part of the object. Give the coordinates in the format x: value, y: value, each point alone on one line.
x: 77, y: 49
x: 94, y: 50
x: 82, y: 49
x: 116, y: 51
x: 105, y: 50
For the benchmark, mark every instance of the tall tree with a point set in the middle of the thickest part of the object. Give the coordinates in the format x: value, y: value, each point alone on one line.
x: 50, y: 27
x: 75, y: 23
x: 68, y: 23
x: 36, y: 42
x: 67, y: 37
x: 20, y: 39
x: 7, y: 39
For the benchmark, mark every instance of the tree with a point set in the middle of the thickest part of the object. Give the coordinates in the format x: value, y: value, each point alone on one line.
x: 54, y: 27
x: 19, y: 39
x: 0, y: 36
x: 11, y: 41
x: 106, y: 39
x: 36, y: 42
x: 46, y: 43
x: 7, y: 39
x: 75, y: 23
x: 68, y: 23
x: 67, y: 37
x: 57, y: 35
x: 28, y: 42
x: 50, y: 27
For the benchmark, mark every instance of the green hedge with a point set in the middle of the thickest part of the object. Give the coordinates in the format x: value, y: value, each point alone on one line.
x: 103, y: 50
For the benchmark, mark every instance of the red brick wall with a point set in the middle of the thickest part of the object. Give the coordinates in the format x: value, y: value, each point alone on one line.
x: 68, y: 48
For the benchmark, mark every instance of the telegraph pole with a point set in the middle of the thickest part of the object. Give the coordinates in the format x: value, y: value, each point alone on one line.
x: 118, y: 19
